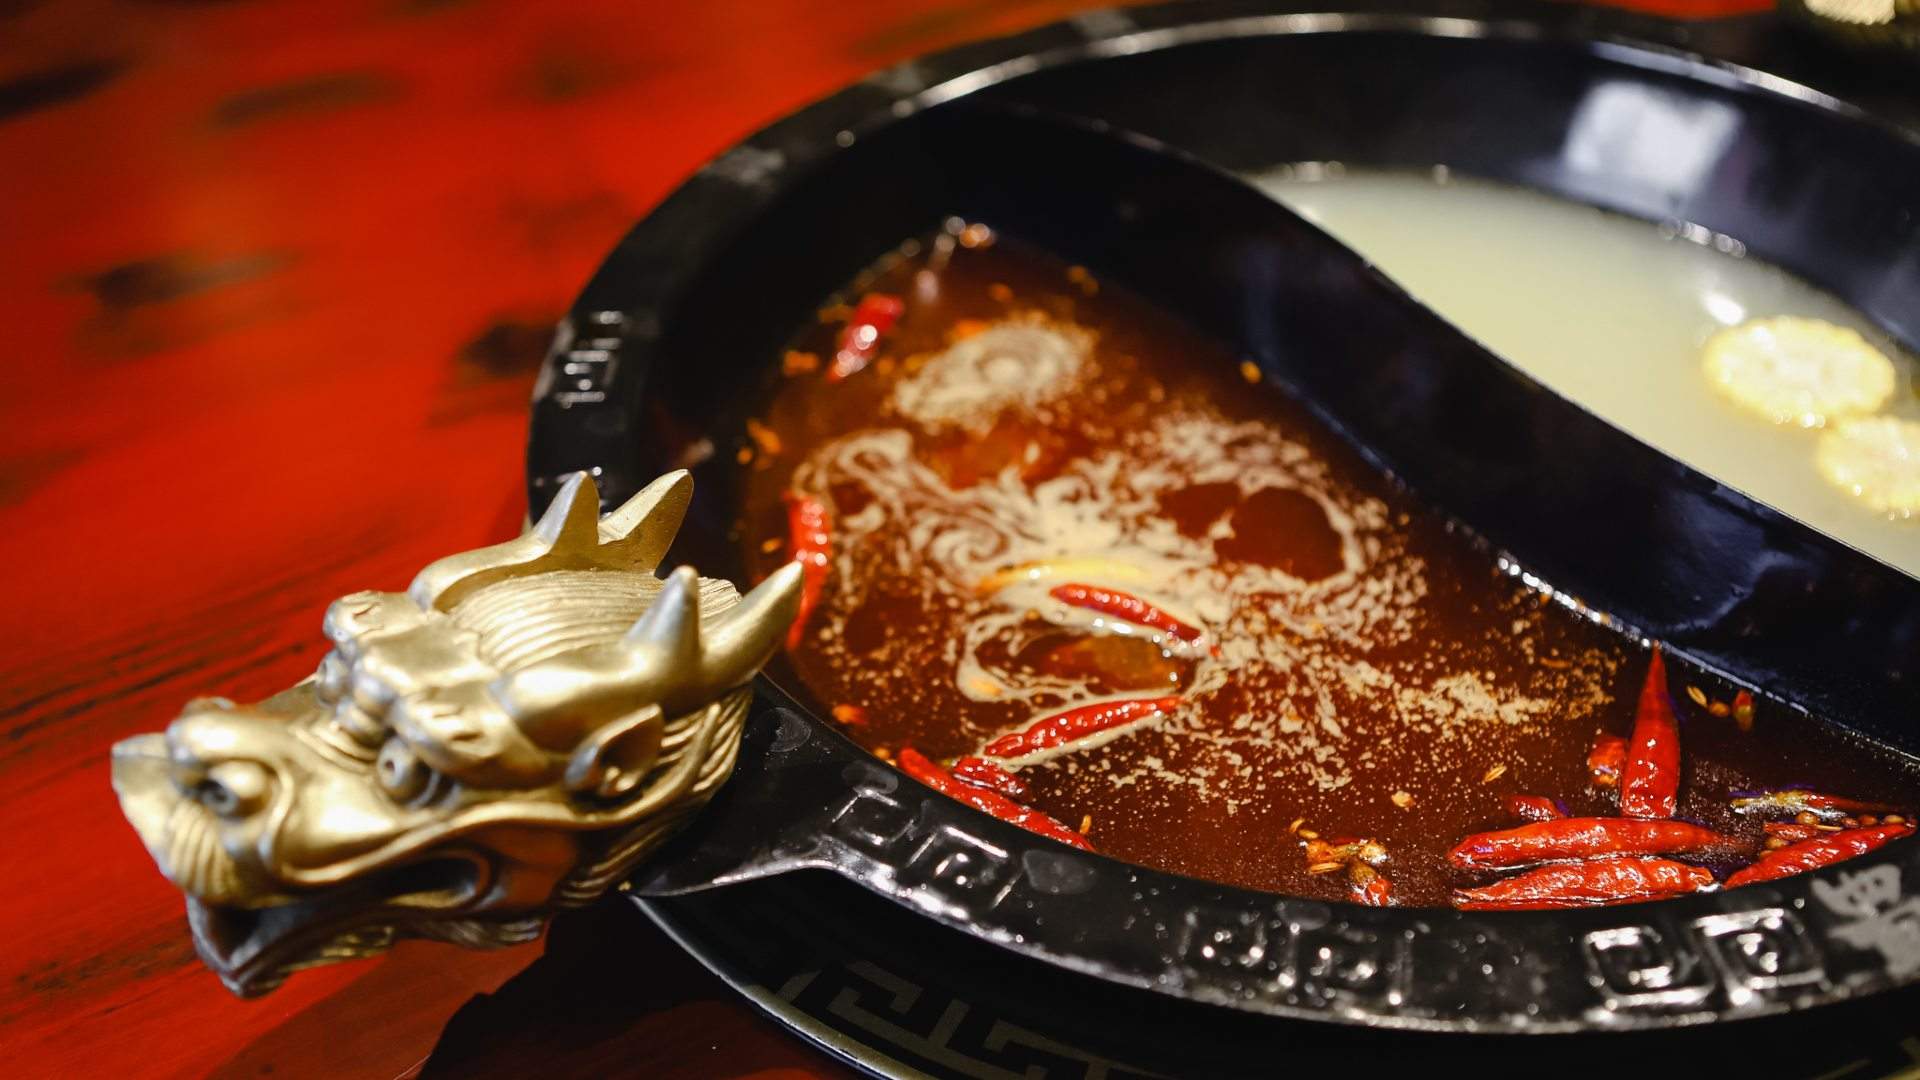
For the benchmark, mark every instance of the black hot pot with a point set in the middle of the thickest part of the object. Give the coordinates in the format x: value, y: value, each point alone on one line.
x: 656, y: 357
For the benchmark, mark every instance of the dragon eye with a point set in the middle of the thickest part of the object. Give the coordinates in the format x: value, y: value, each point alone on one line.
x: 235, y: 788
x: 402, y: 775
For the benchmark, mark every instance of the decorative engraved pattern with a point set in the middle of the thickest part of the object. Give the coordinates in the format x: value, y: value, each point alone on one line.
x: 1336, y: 964
x: 872, y: 822
x: 926, y: 1027
x: 1308, y: 957
x: 584, y: 360
x: 1216, y: 942
x: 961, y: 868
x: 1637, y: 967
x: 1342, y: 964
x: 1759, y: 952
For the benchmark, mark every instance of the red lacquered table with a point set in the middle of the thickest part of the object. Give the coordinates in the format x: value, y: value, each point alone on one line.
x: 274, y: 284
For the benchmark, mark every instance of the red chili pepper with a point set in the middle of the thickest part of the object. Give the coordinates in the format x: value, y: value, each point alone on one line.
x: 1621, y: 880
x: 1124, y: 606
x: 916, y: 765
x: 1606, y: 759
x: 860, y: 338
x: 985, y: 774
x: 1816, y: 853
x: 1370, y: 886
x: 1052, y: 731
x: 1581, y: 838
x: 1534, y: 808
x: 809, y: 543
x: 1650, y: 784
x: 1743, y: 710
x: 1802, y: 801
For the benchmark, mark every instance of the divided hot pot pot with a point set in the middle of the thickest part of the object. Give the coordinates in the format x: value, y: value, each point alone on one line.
x: 1109, y: 142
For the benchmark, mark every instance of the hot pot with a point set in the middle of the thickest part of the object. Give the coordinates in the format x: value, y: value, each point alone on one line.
x: 662, y: 357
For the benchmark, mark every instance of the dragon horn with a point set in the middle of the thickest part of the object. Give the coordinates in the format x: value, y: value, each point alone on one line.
x: 742, y: 638
x: 568, y: 532
x: 667, y: 657
x: 572, y: 518
x: 642, y: 529
x: 667, y: 634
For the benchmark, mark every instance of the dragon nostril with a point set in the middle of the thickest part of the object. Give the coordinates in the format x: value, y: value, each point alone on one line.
x: 402, y: 774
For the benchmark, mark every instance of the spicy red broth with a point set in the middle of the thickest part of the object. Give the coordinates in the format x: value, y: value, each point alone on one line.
x: 1068, y: 553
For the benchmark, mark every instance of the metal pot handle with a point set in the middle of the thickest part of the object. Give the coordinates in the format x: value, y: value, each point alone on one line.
x: 512, y: 734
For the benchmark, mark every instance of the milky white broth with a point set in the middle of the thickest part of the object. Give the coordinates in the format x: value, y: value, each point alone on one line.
x: 1612, y: 312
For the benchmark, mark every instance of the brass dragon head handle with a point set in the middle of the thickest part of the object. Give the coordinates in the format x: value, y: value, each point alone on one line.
x: 510, y: 735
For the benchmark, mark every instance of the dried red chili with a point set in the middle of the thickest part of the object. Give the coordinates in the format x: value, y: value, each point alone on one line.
x: 1618, y: 880
x: 1581, y: 838
x: 1650, y: 782
x: 1743, y: 710
x: 1606, y: 759
x: 1076, y: 723
x: 985, y: 774
x: 860, y: 338
x: 1369, y: 886
x: 916, y: 765
x: 809, y: 543
x: 1799, y: 801
x: 1534, y: 808
x: 1818, y: 852
x: 1125, y: 606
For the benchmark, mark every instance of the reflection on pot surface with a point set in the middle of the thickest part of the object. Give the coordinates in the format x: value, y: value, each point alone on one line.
x: 1627, y: 318
x: 1073, y: 564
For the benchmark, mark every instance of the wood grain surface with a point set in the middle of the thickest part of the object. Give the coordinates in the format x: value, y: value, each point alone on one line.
x: 274, y: 281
